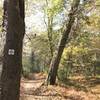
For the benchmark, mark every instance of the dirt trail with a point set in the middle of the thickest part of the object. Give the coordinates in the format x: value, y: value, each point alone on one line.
x: 32, y: 90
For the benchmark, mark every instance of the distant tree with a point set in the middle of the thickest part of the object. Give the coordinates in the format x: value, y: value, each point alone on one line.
x: 50, y: 13
x: 55, y: 62
x: 12, y: 60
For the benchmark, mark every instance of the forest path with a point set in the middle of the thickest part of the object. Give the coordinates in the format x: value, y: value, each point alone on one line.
x: 34, y: 90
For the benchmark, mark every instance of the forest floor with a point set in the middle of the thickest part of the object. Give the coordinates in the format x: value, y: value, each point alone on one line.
x: 74, y: 89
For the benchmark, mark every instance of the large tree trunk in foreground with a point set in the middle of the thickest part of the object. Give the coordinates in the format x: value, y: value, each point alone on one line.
x: 55, y: 62
x: 12, y: 61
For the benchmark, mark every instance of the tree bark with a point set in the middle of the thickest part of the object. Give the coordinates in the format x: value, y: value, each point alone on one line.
x: 50, y: 30
x: 12, y: 60
x: 56, y: 60
x: 4, y: 24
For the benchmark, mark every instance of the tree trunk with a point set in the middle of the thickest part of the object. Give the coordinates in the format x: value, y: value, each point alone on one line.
x: 5, y: 16
x: 55, y: 62
x: 12, y: 60
x: 50, y: 22
x: 50, y: 31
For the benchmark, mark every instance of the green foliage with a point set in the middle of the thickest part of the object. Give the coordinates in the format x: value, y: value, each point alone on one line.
x: 80, y: 57
x: 30, y: 65
x: 40, y: 46
x: 64, y: 73
x: 26, y: 66
x: 82, y: 52
x: 54, y: 7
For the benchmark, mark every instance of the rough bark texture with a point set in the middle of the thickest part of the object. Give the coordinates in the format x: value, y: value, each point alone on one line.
x: 50, y: 22
x: 12, y: 62
x: 55, y: 62
x: 5, y: 16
